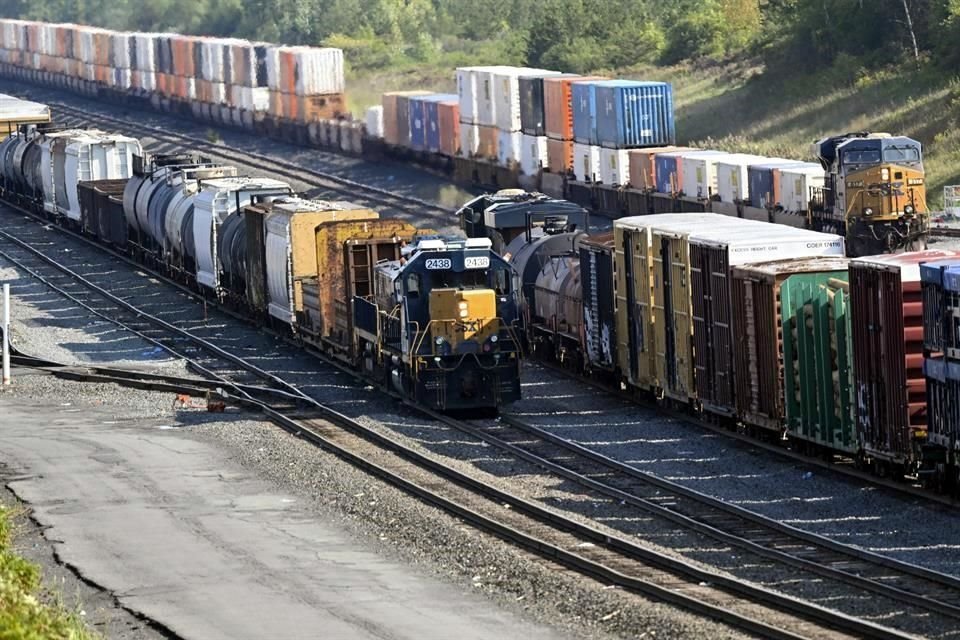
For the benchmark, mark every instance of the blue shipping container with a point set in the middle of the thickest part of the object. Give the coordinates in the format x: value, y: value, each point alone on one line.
x: 632, y: 114
x: 761, y: 185
x: 668, y: 167
x: 432, y: 119
x: 418, y: 124
x: 583, y: 103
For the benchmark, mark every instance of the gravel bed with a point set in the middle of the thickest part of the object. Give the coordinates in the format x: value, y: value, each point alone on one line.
x: 390, y: 522
x: 909, y: 529
x: 46, y: 325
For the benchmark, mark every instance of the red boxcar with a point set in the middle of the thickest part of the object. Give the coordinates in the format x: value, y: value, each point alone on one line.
x: 887, y: 328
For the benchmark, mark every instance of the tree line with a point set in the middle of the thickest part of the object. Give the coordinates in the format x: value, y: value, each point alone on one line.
x: 572, y: 35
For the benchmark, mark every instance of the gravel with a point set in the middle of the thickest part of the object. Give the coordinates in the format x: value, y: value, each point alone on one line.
x: 392, y: 523
x: 910, y: 529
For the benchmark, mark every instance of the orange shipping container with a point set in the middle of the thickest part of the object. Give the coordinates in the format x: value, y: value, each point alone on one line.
x: 643, y: 166
x: 559, y: 155
x: 395, y: 132
x: 448, y: 117
x: 488, y: 141
x: 558, y: 113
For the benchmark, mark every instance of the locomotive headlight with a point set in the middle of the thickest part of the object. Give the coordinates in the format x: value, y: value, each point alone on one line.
x: 885, y: 174
x: 868, y: 211
x: 439, y: 341
x: 908, y: 210
x: 494, y: 338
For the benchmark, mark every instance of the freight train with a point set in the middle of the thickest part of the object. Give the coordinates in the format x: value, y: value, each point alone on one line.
x: 765, y: 328
x: 604, y: 144
x: 434, y: 319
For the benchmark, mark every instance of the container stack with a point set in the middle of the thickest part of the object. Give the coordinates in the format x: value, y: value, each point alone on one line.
x: 299, y: 84
x: 306, y: 83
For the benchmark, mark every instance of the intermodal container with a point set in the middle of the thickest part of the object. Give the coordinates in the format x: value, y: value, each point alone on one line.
x: 533, y: 154
x: 560, y: 155
x: 632, y: 114
x: 532, y: 102
x: 599, y: 298
x: 557, y: 105
x: 508, y: 148
x: 643, y: 168
x: 583, y: 103
x: 448, y: 126
x: 586, y: 162
x: 938, y: 332
x: 669, y: 167
x: 733, y: 178
x: 424, y: 120
x: 469, y: 140
x: 713, y: 252
x: 488, y: 138
x: 764, y: 179
x: 396, y: 116
x: 614, y: 166
x: 778, y: 306
x: 508, y: 102
x: 887, y: 321
x: 699, y: 176
x: 796, y: 184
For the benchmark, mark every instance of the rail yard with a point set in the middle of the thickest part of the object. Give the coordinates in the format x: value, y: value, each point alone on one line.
x: 480, y: 387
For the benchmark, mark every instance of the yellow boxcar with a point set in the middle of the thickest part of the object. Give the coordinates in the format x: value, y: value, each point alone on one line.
x: 633, y: 274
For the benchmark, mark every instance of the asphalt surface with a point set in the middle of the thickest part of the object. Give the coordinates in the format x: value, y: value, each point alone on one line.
x: 182, y: 534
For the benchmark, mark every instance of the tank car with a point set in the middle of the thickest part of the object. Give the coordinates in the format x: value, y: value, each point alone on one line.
x: 874, y: 193
x: 443, y: 325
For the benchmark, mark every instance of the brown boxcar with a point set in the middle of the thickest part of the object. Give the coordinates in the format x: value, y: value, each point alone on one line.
x: 887, y: 327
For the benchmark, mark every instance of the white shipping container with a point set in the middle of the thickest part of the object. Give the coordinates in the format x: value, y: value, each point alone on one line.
x: 144, y: 44
x: 374, y: 121
x: 216, y: 200
x: 700, y: 173
x: 506, y: 94
x: 533, y: 154
x: 467, y: 92
x: 508, y: 148
x: 486, y: 110
x: 469, y: 140
x: 615, y: 166
x: 121, y: 50
x: 796, y: 184
x: 306, y: 70
x: 586, y: 162
x: 211, y: 59
x: 732, y: 177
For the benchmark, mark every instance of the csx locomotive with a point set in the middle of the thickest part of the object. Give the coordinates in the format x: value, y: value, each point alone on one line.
x: 874, y: 193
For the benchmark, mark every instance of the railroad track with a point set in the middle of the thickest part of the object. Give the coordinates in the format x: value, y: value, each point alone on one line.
x: 643, y: 495
x: 549, y: 534
x: 414, y: 208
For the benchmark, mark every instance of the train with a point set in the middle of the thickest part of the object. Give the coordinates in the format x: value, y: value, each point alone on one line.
x: 434, y: 319
x: 767, y: 329
x: 607, y: 145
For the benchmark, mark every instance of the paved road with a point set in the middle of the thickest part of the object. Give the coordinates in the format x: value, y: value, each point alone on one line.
x: 180, y: 533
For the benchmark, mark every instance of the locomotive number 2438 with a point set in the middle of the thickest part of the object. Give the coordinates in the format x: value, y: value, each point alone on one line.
x: 439, y: 263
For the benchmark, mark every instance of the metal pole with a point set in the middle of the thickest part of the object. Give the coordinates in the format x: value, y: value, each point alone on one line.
x: 6, y: 334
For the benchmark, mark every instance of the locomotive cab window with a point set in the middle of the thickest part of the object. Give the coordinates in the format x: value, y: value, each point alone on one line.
x: 861, y: 157
x: 907, y: 153
x: 501, y: 282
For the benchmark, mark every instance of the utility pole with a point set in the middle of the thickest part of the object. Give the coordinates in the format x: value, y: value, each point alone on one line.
x: 6, y: 334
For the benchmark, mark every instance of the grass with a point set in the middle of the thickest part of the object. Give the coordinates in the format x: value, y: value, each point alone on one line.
x: 740, y: 106
x: 27, y: 611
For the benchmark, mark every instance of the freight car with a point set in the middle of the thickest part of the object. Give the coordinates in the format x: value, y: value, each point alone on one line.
x: 764, y: 328
x: 436, y: 320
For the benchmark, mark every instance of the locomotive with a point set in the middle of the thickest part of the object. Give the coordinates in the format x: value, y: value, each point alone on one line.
x: 874, y: 193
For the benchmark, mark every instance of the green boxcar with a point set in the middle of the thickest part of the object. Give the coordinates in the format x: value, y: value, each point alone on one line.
x: 818, y: 360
